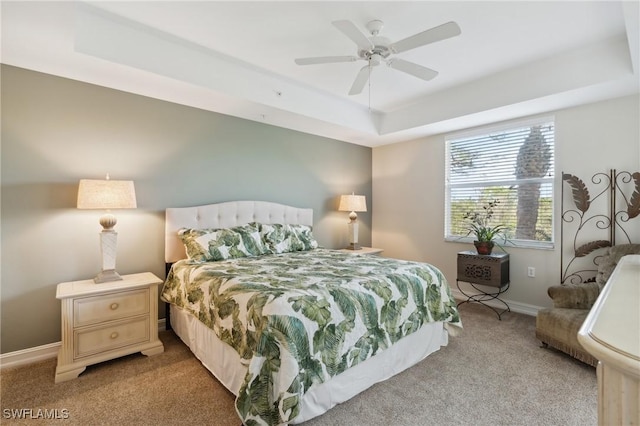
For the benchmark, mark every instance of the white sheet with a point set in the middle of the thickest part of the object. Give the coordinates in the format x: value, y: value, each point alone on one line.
x: 224, y: 362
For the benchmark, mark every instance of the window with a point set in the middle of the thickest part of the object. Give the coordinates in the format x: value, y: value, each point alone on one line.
x: 514, y: 165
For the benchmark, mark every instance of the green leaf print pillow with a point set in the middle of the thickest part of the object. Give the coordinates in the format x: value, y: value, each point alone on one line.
x: 206, y: 245
x: 285, y: 238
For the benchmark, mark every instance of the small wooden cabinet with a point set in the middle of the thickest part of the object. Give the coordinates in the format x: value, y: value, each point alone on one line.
x: 491, y: 270
x: 486, y: 270
x: 107, y: 320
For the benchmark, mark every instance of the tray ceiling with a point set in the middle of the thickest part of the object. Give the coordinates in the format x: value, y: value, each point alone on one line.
x: 511, y: 59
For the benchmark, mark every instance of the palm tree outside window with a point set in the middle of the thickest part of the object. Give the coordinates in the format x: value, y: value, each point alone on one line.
x: 514, y: 164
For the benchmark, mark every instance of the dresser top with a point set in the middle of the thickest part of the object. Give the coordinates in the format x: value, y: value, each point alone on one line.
x: 89, y: 287
x: 611, y: 331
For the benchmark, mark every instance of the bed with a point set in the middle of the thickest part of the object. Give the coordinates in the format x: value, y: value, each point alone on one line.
x: 292, y: 329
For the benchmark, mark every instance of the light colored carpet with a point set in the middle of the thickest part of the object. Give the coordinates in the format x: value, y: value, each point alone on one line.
x: 493, y: 373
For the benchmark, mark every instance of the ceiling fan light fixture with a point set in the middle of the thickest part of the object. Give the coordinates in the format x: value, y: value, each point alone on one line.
x: 376, y: 49
x: 375, y: 26
x: 375, y: 59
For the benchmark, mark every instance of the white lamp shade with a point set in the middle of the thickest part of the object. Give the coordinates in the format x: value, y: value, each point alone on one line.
x: 352, y: 203
x: 106, y: 194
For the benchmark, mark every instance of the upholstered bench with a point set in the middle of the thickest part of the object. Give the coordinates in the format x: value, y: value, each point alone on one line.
x: 558, y: 326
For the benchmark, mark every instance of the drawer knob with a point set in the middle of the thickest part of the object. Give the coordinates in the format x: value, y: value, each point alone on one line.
x: 114, y: 335
x: 114, y: 306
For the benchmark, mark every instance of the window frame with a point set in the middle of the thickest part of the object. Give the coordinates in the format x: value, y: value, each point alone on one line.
x: 484, y: 131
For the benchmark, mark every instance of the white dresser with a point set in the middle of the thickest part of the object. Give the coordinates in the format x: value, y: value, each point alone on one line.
x: 611, y: 333
x: 107, y: 320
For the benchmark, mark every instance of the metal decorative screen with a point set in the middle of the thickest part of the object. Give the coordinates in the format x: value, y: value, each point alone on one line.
x: 601, y: 207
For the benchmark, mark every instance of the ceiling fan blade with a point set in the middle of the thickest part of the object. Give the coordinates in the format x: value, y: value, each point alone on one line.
x: 441, y: 32
x: 349, y: 29
x: 360, y: 81
x: 413, y: 69
x: 325, y: 60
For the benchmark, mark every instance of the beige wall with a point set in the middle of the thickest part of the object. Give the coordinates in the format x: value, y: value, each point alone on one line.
x: 56, y: 131
x: 408, y: 193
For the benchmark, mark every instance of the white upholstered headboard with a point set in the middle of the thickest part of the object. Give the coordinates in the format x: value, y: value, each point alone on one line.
x: 226, y: 215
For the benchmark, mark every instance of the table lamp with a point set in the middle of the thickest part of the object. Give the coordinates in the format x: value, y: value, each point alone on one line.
x: 106, y: 195
x: 353, y: 203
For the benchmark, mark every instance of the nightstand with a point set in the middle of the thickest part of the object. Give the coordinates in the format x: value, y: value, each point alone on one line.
x: 108, y: 320
x: 364, y: 250
x: 486, y: 270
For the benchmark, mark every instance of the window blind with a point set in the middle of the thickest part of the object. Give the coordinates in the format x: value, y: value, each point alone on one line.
x: 513, y: 165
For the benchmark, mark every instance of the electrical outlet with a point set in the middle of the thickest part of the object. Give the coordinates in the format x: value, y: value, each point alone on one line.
x: 531, y: 272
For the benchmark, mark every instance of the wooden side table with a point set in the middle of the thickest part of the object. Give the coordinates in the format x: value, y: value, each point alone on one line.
x: 105, y: 321
x: 364, y: 250
x: 487, y: 270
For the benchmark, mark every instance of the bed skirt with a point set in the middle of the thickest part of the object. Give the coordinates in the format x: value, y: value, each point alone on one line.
x: 225, y: 363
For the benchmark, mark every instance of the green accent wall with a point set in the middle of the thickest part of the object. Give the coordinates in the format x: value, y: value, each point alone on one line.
x: 56, y: 131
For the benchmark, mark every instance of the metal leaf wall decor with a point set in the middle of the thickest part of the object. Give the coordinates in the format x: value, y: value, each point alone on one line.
x: 631, y: 203
x: 590, y: 247
x: 633, y: 208
x: 608, y: 216
x: 579, y: 190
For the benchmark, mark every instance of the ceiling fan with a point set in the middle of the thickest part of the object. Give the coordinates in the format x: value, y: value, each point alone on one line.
x: 377, y: 49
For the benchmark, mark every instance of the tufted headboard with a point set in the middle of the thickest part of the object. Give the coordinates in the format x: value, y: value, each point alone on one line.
x: 226, y: 215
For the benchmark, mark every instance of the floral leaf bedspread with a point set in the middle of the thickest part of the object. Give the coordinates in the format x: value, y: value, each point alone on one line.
x: 298, y: 319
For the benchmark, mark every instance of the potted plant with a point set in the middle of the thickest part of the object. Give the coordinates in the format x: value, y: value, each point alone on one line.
x: 479, y: 224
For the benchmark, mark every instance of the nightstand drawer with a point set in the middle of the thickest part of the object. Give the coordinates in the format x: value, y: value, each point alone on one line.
x: 97, y: 309
x: 113, y: 336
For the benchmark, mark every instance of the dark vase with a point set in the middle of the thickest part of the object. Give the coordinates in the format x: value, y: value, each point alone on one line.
x: 483, y: 247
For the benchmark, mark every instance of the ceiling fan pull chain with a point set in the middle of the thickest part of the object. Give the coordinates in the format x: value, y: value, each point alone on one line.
x: 369, y: 85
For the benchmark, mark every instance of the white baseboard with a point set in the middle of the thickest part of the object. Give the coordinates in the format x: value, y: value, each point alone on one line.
x: 29, y: 355
x: 41, y: 353
x: 521, y: 308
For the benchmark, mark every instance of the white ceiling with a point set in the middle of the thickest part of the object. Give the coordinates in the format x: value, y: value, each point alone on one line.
x: 512, y: 59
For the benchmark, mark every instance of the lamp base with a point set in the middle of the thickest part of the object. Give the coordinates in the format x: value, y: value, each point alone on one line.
x: 108, y: 241
x: 354, y: 246
x: 107, y: 276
